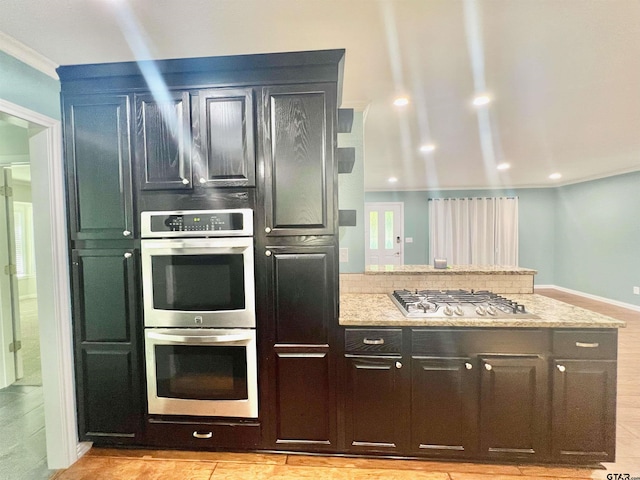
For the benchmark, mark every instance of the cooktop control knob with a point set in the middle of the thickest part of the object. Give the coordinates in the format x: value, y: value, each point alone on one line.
x: 458, y: 311
x: 481, y: 311
x: 448, y: 311
x: 492, y: 311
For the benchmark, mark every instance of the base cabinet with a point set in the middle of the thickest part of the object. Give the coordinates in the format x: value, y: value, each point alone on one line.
x: 373, y: 407
x: 513, y: 407
x: 444, y: 407
x: 584, y: 407
x: 478, y: 393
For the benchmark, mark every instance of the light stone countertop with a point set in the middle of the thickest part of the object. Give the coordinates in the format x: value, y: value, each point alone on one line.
x: 450, y: 270
x: 376, y: 310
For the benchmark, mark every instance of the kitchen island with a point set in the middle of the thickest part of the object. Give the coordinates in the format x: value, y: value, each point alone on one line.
x: 536, y: 389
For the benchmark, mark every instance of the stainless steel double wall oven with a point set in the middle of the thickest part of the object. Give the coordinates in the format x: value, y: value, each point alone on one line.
x: 199, y: 312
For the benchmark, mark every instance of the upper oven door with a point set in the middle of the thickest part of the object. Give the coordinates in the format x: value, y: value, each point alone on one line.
x: 195, y: 282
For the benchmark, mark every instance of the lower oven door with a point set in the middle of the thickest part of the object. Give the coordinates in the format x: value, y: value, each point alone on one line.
x: 202, y: 372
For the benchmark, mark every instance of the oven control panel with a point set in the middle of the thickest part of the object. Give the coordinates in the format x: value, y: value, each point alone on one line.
x: 220, y: 223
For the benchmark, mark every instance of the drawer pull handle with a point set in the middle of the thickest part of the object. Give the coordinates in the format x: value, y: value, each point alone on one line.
x: 488, y: 366
x: 398, y: 365
x: 203, y: 435
x: 587, y: 345
x: 373, y: 341
x: 562, y: 368
x: 468, y: 366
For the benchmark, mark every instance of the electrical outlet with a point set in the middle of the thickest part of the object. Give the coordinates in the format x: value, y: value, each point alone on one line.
x: 344, y: 255
x: 636, y: 290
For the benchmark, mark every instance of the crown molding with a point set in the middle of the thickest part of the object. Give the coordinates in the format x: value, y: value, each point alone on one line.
x: 28, y: 55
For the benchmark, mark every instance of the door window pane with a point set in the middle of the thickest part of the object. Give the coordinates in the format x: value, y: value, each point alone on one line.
x: 388, y: 230
x: 373, y: 230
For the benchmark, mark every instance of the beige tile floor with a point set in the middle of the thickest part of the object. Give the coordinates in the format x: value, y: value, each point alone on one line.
x: 111, y: 464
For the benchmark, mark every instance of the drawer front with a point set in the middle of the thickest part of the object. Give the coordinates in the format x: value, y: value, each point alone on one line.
x: 460, y: 342
x: 202, y: 435
x: 378, y: 340
x: 599, y: 344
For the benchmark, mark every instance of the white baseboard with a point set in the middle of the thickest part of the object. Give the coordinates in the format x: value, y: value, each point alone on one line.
x: 82, y: 448
x: 630, y: 306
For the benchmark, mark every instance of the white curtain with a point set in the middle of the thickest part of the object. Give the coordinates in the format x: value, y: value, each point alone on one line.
x: 474, y: 231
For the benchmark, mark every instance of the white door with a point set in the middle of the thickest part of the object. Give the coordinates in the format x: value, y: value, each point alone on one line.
x: 9, y: 305
x: 384, y: 234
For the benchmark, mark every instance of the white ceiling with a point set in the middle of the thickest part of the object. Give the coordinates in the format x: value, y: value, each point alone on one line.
x: 564, y: 75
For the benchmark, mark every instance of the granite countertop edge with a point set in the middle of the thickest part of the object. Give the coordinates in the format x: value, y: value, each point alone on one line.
x: 451, y: 270
x: 381, y: 312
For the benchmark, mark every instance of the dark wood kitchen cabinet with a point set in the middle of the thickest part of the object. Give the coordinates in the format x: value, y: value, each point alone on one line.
x: 223, y: 137
x: 584, y: 395
x: 444, y: 406
x: 196, y: 138
x: 106, y: 331
x: 98, y: 164
x: 300, y: 178
x: 301, y: 301
x: 374, y: 395
x: 513, y: 407
x: 163, y: 140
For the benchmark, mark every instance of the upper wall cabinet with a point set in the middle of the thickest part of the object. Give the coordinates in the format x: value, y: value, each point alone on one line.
x: 163, y: 153
x: 98, y: 161
x: 299, y: 136
x: 224, y: 153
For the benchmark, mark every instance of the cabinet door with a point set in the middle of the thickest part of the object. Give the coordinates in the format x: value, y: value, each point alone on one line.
x: 98, y: 161
x: 163, y: 140
x: 444, y: 411
x: 374, y: 404
x: 513, y: 407
x: 584, y: 407
x: 302, y: 282
x: 299, y: 173
x: 224, y: 138
x: 305, y: 403
x: 106, y: 331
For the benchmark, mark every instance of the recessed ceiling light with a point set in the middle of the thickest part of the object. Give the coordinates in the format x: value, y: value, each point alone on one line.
x: 401, y: 102
x: 430, y: 147
x: 503, y: 166
x: 481, y: 100
x: 555, y: 176
x: 393, y: 179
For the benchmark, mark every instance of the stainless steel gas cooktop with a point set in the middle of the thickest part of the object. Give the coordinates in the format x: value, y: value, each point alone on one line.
x: 457, y: 303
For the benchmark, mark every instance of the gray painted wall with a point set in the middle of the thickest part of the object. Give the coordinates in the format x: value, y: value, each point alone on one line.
x: 598, y: 237
x: 28, y: 87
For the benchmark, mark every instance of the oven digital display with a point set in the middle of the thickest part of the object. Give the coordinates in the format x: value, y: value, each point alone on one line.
x: 201, y: 222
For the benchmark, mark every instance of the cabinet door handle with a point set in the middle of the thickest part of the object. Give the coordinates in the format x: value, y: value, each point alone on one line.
x: 373, y: 341
x: 185, y: 181
x: 203, y: 180
x: 398, y: 365
x: 587, y: 345
x: 126, y: 233
x: 468, y: 366
x: 128, y: 255
x: 268, y: 253
x: 561, y: 368
x: 488, y: 366
x: 203, y: 435
x: 267, y: 230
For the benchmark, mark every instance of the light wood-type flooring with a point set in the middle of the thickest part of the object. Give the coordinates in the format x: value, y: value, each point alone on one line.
x: 112, y: 464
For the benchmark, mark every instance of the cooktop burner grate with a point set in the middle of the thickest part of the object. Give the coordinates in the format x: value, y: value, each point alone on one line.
x: 457, y: 303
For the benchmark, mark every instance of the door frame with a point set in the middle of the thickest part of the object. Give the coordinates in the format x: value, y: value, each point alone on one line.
x: 366, y: 228
x: 53, y: 290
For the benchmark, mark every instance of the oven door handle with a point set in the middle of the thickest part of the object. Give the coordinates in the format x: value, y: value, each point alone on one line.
x: 172, y: 337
